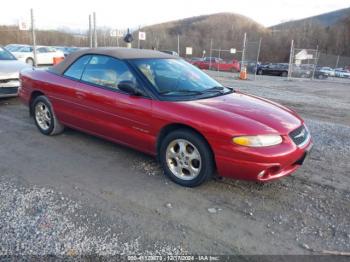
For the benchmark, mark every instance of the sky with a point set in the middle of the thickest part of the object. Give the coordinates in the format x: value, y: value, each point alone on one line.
x: 119, y: 14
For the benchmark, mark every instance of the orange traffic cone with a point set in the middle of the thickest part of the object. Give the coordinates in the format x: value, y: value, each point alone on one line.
x: 243, y: 73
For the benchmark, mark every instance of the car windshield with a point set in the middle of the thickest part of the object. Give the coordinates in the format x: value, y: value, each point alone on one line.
x: 24, y: 49
x: 176, y: 77
x: 11, y: 47
x: 6, y: 55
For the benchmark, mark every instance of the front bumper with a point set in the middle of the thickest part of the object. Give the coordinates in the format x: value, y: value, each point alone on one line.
x: 264, y: 167
x: 9, y: 87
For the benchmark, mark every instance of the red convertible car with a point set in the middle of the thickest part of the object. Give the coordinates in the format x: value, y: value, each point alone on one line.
x: 163, y: 106
x: 218, y: 64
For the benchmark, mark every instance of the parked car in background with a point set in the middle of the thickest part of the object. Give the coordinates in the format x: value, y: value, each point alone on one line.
x: 342, y: 73
x: 9, y: 73
x: 298, y: 71
x: 219, y: 64
x: 252, y: 66
x: 45, y: 55
x: 169, y: 52
x: 206, y: 62
x: 316, y: 73
x: 161, y: 105
x: 226, y: 66
x: 193, y: 60
x: 66, y: 50
x: 13, y: 47
x: 330, y: 71
x: 320, y: 74
x: 301, y: 71
x: 277, y: 69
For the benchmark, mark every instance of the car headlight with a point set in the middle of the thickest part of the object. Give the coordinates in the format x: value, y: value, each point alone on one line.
x: 258, y: 141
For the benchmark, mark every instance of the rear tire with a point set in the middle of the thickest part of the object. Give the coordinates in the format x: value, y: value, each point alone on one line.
x: 260, y: 72
x: 284, y: 74
x: 45, y: 118
x: 186, y: 158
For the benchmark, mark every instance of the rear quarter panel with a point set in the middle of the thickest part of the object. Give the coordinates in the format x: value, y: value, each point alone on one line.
x: 50, y: 84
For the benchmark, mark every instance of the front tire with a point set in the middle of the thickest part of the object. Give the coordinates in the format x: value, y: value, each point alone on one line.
x: 186, y: 158
x: 45, y: 118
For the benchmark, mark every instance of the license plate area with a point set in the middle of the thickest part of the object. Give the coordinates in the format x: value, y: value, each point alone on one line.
x: 302, y: 159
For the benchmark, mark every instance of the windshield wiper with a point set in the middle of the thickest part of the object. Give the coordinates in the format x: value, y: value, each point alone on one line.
x: 219, y: 89
x: 182, y: 91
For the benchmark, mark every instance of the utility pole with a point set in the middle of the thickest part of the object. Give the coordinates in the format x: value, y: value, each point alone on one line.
x: 178, y: 44
x: 33, y: 36
x: 90, y: 32
x: 219, y: 61
x: 243, y: 52
x: 257, y: 59
x: 291, y: 55
x: 95, y: 31
x: 211, y: 52
x: 138, y: 38
x: 336, y: 64
x: 157, y: 43
x: 316, y: 63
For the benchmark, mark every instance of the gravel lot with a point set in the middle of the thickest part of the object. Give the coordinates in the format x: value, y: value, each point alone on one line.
x: 76, y: 194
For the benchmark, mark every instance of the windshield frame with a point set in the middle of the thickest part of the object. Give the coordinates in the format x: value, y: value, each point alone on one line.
x: 179, y: 97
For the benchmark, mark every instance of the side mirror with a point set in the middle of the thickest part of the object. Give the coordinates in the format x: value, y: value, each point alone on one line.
x: 130, y: 88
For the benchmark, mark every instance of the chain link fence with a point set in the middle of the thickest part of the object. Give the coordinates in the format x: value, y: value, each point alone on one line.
x: 215, y: 54
x: 312, y: 64
x: 303, y: 64
x: 224, y: 58
x: 336, y: 67
x: 251, y: 58
x: 224, y: 54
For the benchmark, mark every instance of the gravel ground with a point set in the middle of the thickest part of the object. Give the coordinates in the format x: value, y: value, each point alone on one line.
x: 76, y: 194
x: 40, y: 221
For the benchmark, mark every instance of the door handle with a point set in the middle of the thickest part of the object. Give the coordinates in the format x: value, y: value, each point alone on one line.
x: 80, y: 95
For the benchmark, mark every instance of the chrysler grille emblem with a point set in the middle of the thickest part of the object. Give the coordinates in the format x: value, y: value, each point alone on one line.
x: 302, y: 134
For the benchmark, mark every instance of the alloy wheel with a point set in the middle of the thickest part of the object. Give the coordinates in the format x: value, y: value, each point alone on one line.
x: 183, y: 159
x: 43, y: 116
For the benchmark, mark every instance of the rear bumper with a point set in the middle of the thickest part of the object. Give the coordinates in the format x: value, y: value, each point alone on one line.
x: 266, y: 168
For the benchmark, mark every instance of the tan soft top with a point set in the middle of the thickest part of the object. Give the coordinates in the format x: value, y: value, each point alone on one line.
x: 117, y: 52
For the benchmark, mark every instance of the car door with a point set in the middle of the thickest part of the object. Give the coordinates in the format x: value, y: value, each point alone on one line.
x: 267, y: 69
x: 104, y: 110
x: 205, y: 63
x: 41, y: 56
x: 273, y: 70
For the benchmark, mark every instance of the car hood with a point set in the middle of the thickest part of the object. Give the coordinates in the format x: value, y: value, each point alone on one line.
x: 265, y: 115
x: 11, y: 68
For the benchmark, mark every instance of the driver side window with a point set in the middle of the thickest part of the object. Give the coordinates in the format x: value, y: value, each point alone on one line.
x: 41, y: 50
x: 107, y: 72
